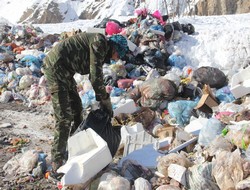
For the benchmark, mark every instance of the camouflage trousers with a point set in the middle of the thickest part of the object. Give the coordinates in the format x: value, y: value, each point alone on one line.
x: 67, y: 107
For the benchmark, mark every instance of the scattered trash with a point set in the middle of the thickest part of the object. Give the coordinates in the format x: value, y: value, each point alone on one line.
x: 159, y: 108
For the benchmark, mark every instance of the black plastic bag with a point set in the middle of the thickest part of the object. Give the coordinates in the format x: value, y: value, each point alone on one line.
x: 212, y: 76
x: 100, y: 122
x: 188, y: 28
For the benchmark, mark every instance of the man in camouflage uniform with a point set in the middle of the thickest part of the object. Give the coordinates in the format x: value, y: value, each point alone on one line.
x: 84, y: 53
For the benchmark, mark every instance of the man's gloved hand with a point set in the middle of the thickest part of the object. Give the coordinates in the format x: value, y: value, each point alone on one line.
x: 106, y: 105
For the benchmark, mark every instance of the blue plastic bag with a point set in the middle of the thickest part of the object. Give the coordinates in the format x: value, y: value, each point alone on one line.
x: 88, y: 99
x: 181, y: 111
x: 117, y: 91
x: 224, y: 95
x: 177, y: 61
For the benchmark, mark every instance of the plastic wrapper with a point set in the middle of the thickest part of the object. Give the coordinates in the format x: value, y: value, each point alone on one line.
x: 25, y: 82
x: 5, y: 57
x: 119, y: 69
x: 22, y: 164
x: 239, y: 135
x: 218, y: 144
x: 142, y: 184
x: 209, y: 132
x: 228, y: 169
x: 23, y: 71
x: 33, y: 92
x: 155, y: 91
x: 172, y: 158
x: 125, y: 83
x: 244, y: 184
x: 111, y: 181
x: 199, y: 177
x: 5, y: 96
x: 173, y: 77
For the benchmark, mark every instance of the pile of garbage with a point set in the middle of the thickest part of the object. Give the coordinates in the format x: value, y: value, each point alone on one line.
x: 174, y: 126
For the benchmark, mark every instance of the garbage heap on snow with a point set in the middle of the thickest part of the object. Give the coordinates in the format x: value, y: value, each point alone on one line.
x: 174, y: 126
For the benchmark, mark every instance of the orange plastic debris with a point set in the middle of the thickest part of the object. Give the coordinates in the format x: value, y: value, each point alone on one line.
x: 46, y: 175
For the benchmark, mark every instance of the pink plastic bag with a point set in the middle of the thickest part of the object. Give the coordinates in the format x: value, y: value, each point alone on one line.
x: 157, y: 15
x: 112, y: 28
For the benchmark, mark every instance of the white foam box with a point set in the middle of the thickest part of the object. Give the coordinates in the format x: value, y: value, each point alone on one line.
x: 177, y: 173
x: 96, y: 30
x: 240, y: 83
x: 126, y: 106
x: 85, y: 150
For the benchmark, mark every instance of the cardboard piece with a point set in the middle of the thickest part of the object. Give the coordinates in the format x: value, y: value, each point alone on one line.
x: 166, y: 132
x: 207, y: 101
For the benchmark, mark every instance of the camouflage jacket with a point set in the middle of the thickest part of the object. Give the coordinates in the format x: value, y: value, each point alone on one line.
x: 83, y: 53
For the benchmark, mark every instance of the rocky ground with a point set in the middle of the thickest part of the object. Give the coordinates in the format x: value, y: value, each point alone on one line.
x: 23, y: 128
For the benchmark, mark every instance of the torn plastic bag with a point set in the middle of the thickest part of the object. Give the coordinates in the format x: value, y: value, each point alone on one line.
x: 210, y: 131
x: 228, y: 169
x: 153, y: 92
x: 142, y: 184
x: 100, y: 122
x: 200, y: 177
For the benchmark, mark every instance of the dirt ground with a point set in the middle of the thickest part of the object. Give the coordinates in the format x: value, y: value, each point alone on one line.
x: 31, y: 129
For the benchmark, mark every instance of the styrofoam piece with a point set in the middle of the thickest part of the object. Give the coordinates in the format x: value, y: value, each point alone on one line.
x: 142, y: 152
x: 126, y: 106
x: 240, y: 83
x: 85, y: 150
x: 96, y: 30
x: 130, y: 130
x: 146, y: 156
x: 162, y: 143
x: 132, y: 47
x: 195, y: 126
x: 137, y: 141
x: 157, y: 32
x: 136, y: 128
x: 177, y: 173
